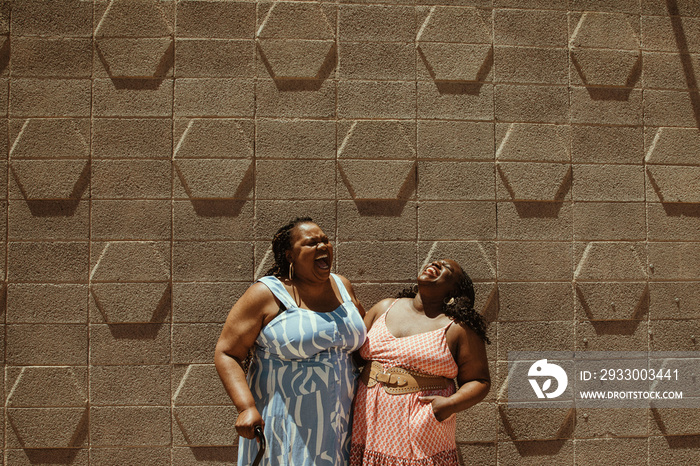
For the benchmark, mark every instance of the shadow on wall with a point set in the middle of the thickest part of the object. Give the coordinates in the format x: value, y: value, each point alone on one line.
x: 205, y: 207
x: 539, y: 447
x: 5, y: 54
x: 528, y: 448
x: 151, y: 83
x: 610, y: 93
x: 52, y: 207
x: 374, y: 207
x: 215, y: 454
x: 673, y: 209
x: 3, y: 299
x: 681, y: 209
x: 677, y: 433
x: 143, y: 331
x: 686, y: 442
x: 539, y: 208
x: 60, y: 455
x: 492, y: 307
x: 686, y: 61
x: 52, y: 455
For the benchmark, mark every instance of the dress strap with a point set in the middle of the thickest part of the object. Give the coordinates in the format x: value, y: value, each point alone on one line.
x: 341, y: 287
x: 382, y: 318
x: 389, y: 308
x: 278, y: 289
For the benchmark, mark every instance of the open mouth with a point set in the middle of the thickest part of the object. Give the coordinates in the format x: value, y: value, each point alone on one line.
x: 323, y: 262
x: 432, y: 270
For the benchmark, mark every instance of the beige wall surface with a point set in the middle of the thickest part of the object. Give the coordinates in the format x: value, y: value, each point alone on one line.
x: 153, y: 147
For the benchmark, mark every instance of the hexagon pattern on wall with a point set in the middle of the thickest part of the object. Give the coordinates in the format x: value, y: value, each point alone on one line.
x: 455, y: 43
x: 295, y: 40
x: 527, y: 422
x: 380, y: 180
x: 677, y: 421
x: 532, y: 161
x: 605, y: 49
x: 528, y: 142
x: 49, y: 179
x: 134, y: 38
x: 676, y: 183
x: 670, y: 418
x: 388, y: 140
x: 130, y: 282
x: 202, y: 409
x: 130, y: 302
x: 533, y: 181
x: 49, y: 159
x: 212, y: 179
x: 61, y: 425
x: 214, y: 138
x: 672, y: 165
x: 212, y: 158
x: 611, y: 269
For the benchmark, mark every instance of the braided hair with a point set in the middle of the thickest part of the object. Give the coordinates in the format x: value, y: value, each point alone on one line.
x: 281, y: 243
x: 460, y: 306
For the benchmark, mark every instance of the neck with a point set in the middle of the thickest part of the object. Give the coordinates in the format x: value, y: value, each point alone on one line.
x: 309, y: 287
x: 430, y: 305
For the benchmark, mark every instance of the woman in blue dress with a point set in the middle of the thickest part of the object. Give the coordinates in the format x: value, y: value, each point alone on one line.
x: 302, y: 323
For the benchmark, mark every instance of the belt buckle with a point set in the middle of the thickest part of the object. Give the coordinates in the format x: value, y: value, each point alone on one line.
x: 383, y: 377
x: 389, y: 378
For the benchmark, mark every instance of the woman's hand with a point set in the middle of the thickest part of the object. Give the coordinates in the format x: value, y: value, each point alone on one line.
x: 442, y: 408
x: 246, y: 422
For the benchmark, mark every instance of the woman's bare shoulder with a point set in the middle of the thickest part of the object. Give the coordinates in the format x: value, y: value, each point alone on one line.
x: 382, y: 306
x: 377, y: 310
x: 257, y: 296
x: 343, y: 279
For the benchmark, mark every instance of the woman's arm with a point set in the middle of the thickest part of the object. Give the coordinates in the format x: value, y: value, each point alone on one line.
x: 369, y: 318
x: 243, y: 324
x: 472, y: 376
x: 351, y: 292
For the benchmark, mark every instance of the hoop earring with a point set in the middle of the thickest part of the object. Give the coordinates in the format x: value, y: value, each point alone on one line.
x: 291, y: 271
x: 448, y: 301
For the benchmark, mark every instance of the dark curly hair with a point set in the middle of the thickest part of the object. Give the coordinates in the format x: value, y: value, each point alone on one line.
x: 460, y: 307
x: 281, y: 243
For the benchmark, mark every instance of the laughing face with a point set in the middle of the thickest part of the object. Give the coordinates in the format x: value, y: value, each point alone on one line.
x: 444, y: 273
x: 311, y: 252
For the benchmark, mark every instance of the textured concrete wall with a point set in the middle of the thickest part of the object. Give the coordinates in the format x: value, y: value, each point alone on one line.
x: 153, y: 147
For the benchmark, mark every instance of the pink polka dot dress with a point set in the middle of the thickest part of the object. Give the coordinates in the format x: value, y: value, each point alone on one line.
x: 398, y: 429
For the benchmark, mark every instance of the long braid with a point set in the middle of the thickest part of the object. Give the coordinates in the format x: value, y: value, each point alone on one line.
x: 460, y: 307
x: 281, y: 243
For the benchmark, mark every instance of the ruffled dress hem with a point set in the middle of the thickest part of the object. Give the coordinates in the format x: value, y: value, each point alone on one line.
x: 358, y: 455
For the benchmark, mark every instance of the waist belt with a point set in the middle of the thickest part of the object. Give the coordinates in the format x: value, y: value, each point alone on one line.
x: 397, y: 380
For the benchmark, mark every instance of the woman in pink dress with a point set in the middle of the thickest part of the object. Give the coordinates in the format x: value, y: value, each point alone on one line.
x: 417, y: 344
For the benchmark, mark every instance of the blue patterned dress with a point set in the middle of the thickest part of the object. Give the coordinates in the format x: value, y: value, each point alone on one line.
x: 303, y: 380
